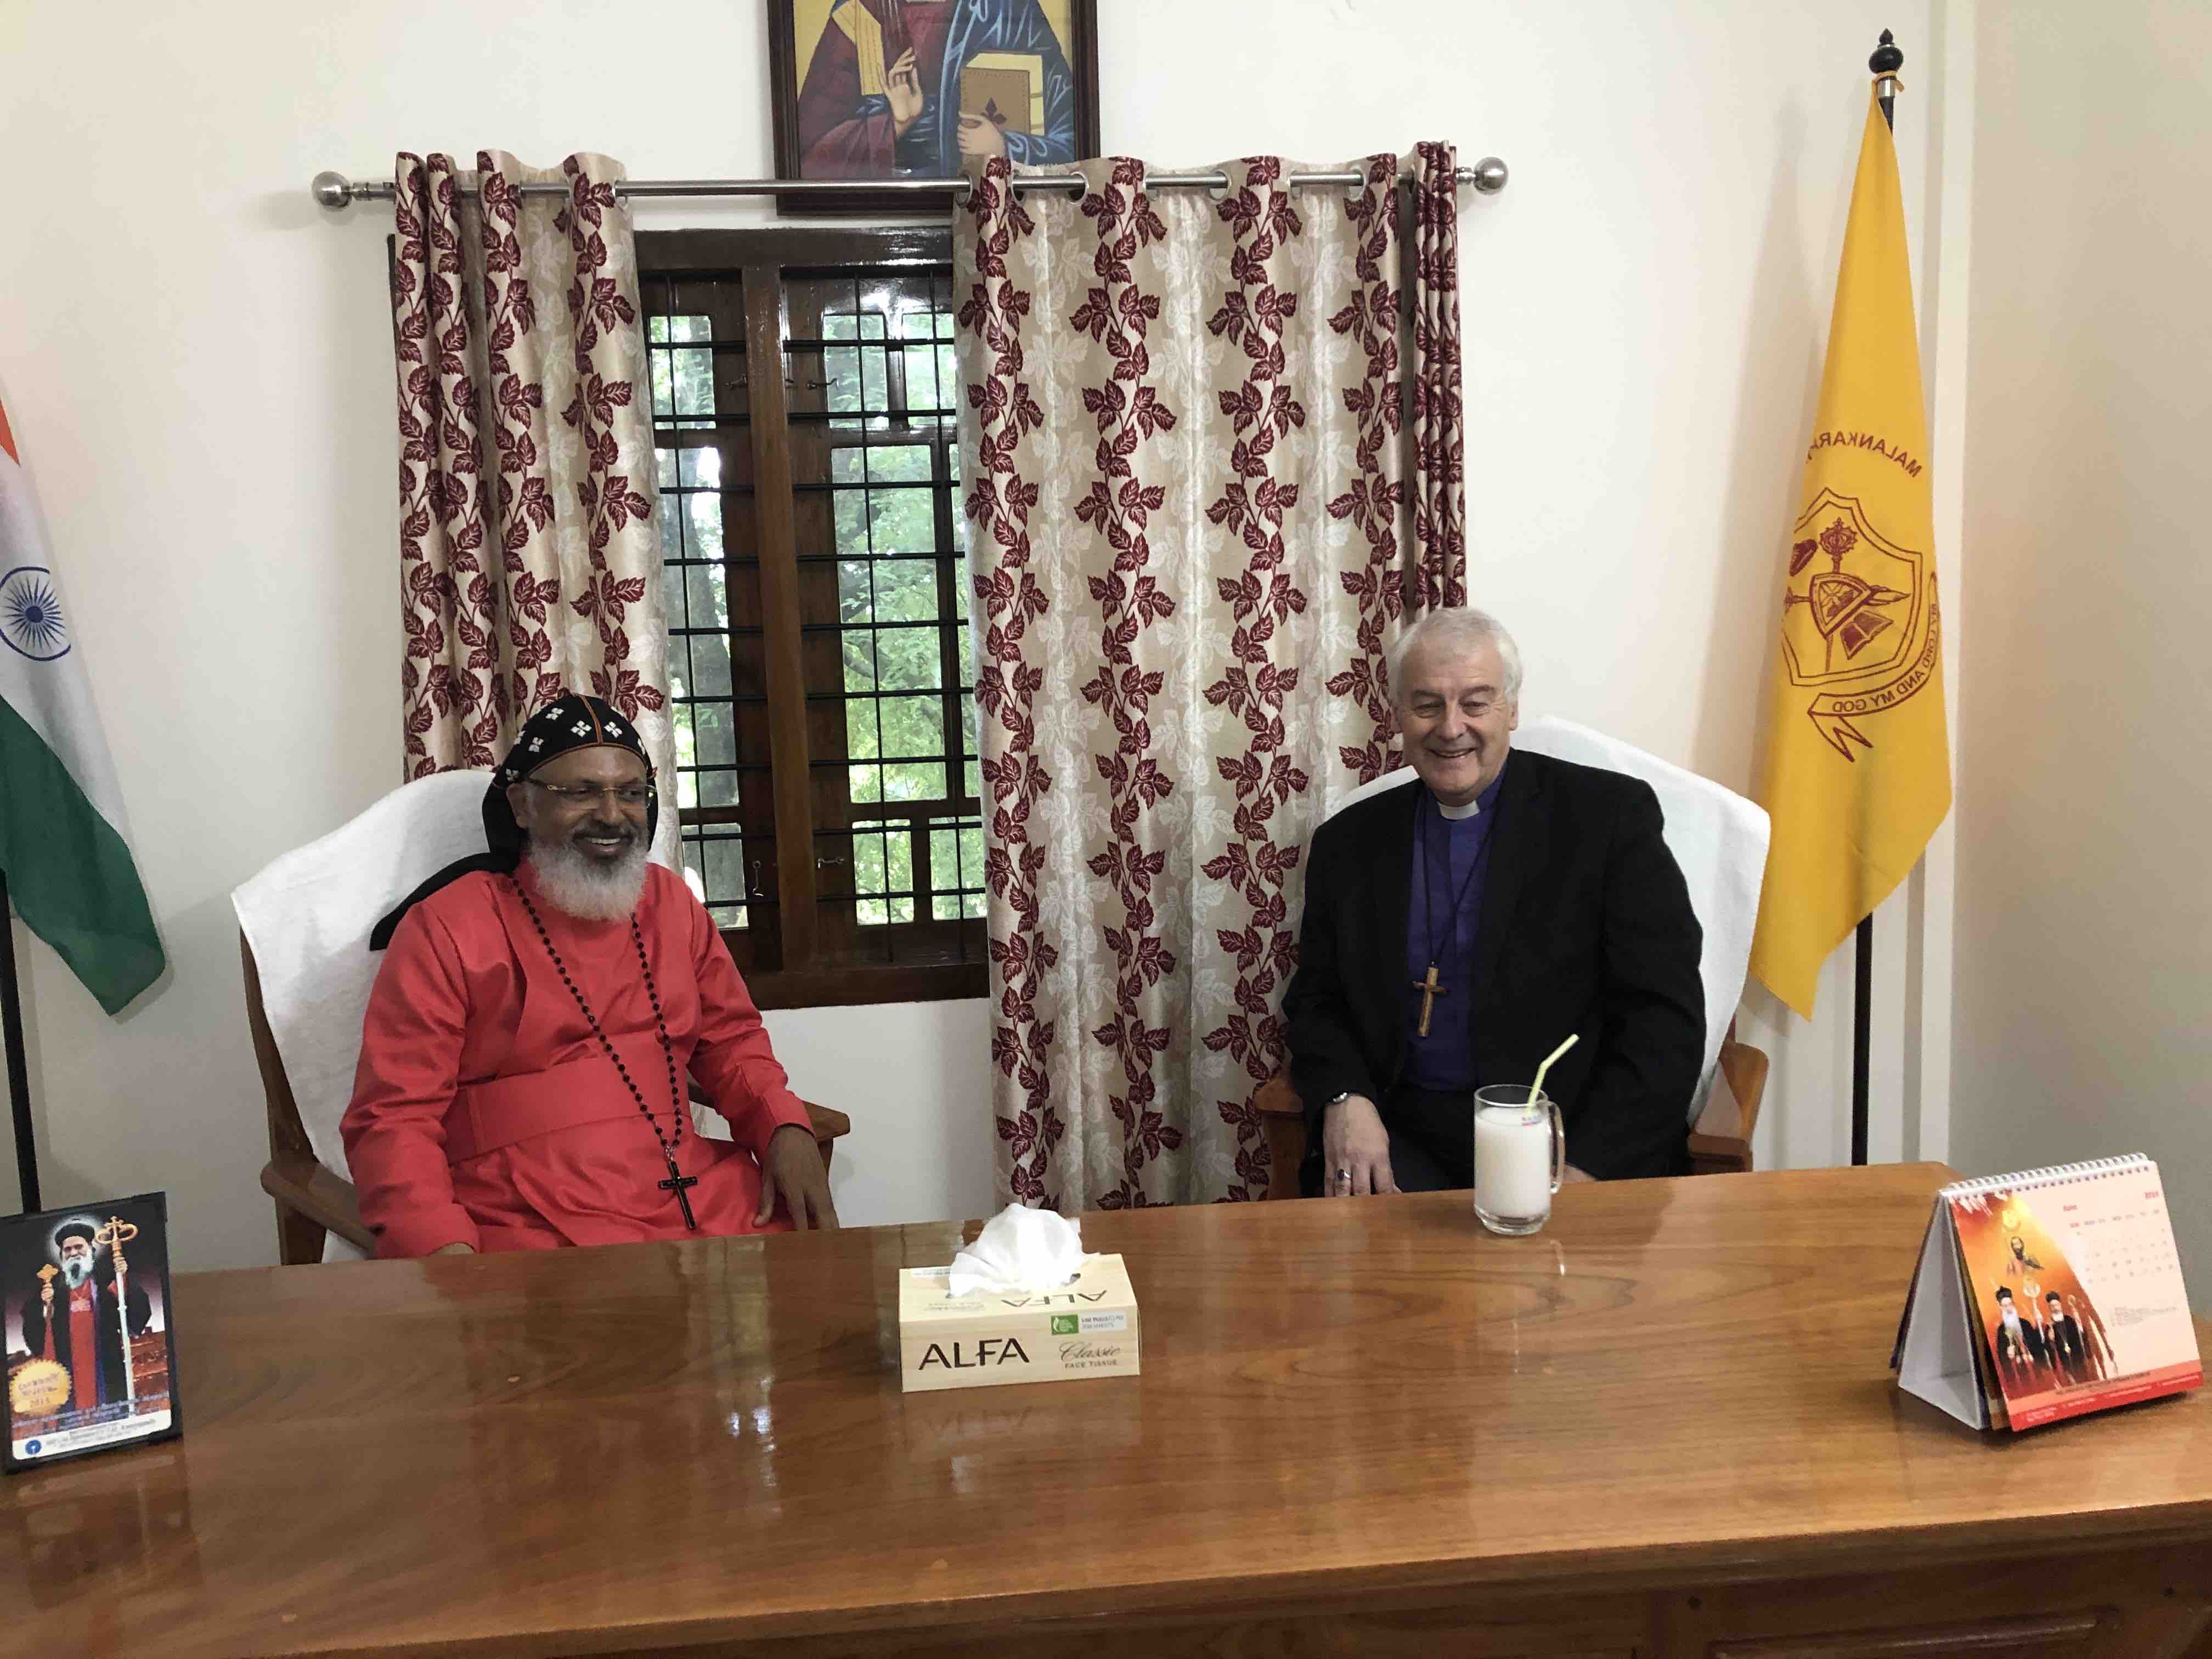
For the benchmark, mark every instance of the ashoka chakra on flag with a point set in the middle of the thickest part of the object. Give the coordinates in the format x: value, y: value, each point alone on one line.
x: 31, y: 614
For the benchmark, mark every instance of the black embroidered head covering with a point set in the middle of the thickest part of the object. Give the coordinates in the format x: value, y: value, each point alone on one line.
x: 571, y: 720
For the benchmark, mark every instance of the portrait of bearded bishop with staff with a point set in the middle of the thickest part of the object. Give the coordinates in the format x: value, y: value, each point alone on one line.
x: 76, y: 1319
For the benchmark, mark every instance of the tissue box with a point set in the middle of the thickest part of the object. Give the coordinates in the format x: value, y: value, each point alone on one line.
x: 1087, y: 1328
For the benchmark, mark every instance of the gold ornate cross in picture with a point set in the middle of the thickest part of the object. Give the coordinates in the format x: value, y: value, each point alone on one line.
x: 1430, y: 990
x: 115, y: 1232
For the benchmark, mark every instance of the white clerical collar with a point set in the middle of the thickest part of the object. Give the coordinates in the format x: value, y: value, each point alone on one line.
x: 1458, y: 814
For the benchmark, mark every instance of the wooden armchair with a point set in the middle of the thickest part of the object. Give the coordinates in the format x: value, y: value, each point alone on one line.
x: 311, y: 1200
x: 1720, y: 1141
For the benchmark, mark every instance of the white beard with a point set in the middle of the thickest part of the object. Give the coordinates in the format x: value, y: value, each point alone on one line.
x: 75, y: 1271
x: 585, y: 889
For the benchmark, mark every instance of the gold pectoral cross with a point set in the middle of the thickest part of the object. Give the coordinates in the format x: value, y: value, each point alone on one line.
x: 1430, y: 990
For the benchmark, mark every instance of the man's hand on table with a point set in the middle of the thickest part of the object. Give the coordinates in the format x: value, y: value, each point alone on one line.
x: 793, y: 1171
x: 1355, y: 1150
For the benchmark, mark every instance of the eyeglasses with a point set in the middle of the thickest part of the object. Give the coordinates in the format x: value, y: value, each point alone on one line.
x: 628, y: 796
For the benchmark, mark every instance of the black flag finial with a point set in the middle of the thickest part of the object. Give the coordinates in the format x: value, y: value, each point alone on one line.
x: 1885, y: 62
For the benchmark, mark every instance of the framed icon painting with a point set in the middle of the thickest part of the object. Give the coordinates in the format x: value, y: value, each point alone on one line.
x: 926, y: 89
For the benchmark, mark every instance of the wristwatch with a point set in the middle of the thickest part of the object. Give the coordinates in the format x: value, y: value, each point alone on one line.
x: 1339, y: 1100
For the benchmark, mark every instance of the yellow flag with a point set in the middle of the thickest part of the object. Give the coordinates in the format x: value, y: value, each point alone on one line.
x: 1858, y: 769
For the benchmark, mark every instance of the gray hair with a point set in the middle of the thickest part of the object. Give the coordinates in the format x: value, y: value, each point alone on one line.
x: 1459, y: 631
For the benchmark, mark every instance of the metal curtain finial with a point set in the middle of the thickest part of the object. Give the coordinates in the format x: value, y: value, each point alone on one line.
x: 332, y: 190
x: 1488, y: 176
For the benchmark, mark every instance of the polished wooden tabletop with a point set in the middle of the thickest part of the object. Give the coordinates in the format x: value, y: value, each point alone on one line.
x: 672, y: 1444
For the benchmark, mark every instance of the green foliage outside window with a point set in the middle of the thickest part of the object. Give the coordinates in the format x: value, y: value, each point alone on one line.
x: 894, y: 456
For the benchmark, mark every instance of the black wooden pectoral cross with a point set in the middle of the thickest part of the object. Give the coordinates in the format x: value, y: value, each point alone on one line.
x: 676, y: 1184
x: 1430, y: 990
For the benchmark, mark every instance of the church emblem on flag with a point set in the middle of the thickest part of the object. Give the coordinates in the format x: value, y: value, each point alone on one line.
x: 1860, y: 632
x: 31, y: 614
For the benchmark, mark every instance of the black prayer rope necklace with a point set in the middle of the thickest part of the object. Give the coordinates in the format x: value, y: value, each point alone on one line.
x: 1428, y: 985
x: 676, y: 1182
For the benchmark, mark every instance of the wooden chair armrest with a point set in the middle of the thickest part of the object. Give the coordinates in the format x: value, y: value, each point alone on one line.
x: 1718, y: 1154
x: 1745, y: 1067
x: 827, y: 1122
x: 1283, y: 1119
x: 1720, y: 1141
x: 302, y: 1184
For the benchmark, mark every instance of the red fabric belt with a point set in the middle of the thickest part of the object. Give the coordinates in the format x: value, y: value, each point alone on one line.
x: 486, y: 1116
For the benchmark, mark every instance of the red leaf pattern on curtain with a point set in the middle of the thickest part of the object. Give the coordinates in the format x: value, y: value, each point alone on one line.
x: 1372, y: 501
x: 574, y: 598
x: 449, y: 701
x: 1439, y: 425
x: 1131, y: 601
x: 1189, y: 540
x: 1263, y: 216
x: 1008, y: 600
x: 599, y: 313
x: 524, y: 497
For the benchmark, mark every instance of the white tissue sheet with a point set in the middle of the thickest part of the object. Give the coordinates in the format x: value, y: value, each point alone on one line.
x: 1019, y: 1250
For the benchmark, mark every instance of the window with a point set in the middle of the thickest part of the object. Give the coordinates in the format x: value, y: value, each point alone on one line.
x: 821, y: 666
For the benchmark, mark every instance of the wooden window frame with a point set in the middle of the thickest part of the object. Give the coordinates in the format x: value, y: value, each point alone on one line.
x: 762, y: 258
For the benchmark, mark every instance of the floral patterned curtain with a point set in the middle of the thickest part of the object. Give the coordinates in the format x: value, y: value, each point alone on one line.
x: 532, y: 561
x: 1191, y: 542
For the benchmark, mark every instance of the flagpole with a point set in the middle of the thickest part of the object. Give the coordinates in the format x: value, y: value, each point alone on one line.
x: 1885, y: 62
x: 19, y: 1064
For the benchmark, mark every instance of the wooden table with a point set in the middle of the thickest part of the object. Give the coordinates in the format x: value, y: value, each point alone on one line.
x: 1665, y: 1426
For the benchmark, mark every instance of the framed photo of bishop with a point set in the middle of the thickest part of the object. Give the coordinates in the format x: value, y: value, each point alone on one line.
x: 85, y: 1324
x: 922, y: 88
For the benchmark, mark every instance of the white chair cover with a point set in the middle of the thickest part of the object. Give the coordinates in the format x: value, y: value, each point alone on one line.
x: 307, y: 917
x: 1717, y: 837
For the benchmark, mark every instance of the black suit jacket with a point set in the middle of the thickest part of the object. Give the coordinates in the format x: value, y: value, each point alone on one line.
x: 1586, y: 927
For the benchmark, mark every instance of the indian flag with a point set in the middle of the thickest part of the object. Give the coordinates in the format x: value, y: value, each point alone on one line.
x: 63, y: 846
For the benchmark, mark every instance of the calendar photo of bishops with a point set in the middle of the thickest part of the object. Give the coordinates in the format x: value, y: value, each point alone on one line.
x: 85, y: 1296
x: 2077, y: 1285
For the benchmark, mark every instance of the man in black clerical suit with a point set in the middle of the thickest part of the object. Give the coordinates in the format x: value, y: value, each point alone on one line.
x: 1458, y: 928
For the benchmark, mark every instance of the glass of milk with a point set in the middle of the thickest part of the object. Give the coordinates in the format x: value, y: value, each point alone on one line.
x: 1520, y: 1153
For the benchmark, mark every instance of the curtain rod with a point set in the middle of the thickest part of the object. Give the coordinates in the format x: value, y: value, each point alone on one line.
x: 335, y: 191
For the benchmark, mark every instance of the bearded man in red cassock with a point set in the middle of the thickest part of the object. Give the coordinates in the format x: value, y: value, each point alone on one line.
x: 78, y: 1324
x: 522, y: 1062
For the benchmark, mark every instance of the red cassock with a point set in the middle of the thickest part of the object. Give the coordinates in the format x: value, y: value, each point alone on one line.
x: 485, y: 1112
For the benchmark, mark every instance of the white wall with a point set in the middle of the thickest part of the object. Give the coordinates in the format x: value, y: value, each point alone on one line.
x: 198, y: 362
x: 2085, y: 938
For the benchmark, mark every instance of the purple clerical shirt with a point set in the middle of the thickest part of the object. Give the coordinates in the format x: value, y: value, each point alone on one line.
x: 1451, y: 859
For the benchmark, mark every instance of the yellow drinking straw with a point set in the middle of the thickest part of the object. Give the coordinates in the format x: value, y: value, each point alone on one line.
x: 1537, y: 1087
